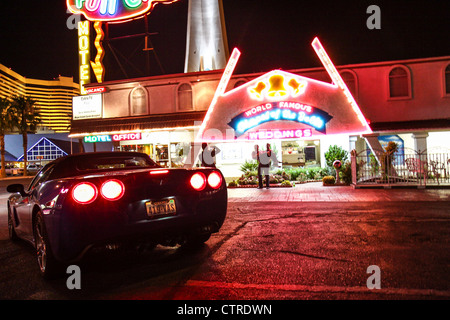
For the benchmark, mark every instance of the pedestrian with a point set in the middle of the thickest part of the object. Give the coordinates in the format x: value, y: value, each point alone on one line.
x: 208, y: 155
x: 265, y: 161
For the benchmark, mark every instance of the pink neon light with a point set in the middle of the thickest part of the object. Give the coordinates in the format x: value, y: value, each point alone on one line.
x: 232, y: 62
x: 337, y: 80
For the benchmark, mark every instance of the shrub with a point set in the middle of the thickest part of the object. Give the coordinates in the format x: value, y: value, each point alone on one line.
x: 335, y: 153
x: 247, y: 166
x: 328, y: 180
x: 232, y: 184
x: 286, y: 183
x: 346, y: 173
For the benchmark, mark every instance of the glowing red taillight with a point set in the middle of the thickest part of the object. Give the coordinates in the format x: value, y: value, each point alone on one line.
x: 84, y: 193
x: 157, y: 172
x: 112, y: 190
x: 198, y: 181
x: 214, y: 180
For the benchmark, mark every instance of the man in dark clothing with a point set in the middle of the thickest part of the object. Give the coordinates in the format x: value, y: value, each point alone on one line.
x: 208, y: 156
x: 264, y: 159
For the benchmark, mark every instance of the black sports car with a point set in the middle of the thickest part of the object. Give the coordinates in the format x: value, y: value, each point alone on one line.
x: 97, y: 199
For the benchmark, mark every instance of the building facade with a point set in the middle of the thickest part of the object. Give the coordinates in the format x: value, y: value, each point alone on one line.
x: 407, y: 101
x: 53, y: 97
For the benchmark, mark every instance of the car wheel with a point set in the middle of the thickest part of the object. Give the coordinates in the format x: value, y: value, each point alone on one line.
x: 48, y: 265
x: 11, y: 231
x: 197, y: 240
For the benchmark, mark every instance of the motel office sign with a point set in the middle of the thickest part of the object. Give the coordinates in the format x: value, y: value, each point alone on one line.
x: 113, y: 138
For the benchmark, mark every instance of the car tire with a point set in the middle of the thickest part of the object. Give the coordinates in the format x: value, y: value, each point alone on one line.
x: 11, y: 231
x: 49, y: 267
x: 197, y: 240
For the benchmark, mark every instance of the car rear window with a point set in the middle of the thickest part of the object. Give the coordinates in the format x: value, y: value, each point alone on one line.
x: 115, y: 162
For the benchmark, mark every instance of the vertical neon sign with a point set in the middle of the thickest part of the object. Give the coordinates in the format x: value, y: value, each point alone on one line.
x: 97, y: 65
x: 84, y: 54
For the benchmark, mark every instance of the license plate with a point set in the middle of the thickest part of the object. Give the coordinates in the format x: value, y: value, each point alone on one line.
x: 161, y: 207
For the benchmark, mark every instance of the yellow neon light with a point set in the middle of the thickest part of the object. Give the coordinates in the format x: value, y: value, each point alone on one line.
x: 97, y: 66
x: 277, y: 86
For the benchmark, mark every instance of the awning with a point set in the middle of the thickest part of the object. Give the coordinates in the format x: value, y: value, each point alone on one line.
x: 170, y: 121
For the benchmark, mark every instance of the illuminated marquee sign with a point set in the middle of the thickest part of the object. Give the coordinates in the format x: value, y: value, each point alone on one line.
x: 113, y: 10
x: 115, y: 137
x: 96, y: 90
x: 277, y: 111
x: 280, y: 134
x: 84, y: 54
x: 277, y: 86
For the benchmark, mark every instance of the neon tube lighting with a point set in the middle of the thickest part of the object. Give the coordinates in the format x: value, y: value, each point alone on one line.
x: 232, y: 62
x: 338, y: 81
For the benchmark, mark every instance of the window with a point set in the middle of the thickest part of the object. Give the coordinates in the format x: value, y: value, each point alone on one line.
x: 138, y: 101
x: 399, y: 83
x: 350, y: 80
x: 239, y: 83
x: 185, y: 97
x: 447, y: 80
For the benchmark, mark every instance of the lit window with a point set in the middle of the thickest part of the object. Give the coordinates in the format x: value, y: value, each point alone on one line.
x: 138, y: 101
x: 399, y: 83
x: 185, y: 97
x: 447, y: 80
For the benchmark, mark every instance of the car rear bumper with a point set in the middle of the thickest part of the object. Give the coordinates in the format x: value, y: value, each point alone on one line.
x: 74, y: 231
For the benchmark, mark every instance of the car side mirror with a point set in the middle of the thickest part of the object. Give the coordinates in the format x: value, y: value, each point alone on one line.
x: 17, y: 188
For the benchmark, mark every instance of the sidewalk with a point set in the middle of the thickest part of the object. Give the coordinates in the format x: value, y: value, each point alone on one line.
x: 315, y: 192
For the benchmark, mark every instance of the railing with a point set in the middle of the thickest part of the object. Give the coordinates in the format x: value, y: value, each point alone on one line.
x: 409, y: 168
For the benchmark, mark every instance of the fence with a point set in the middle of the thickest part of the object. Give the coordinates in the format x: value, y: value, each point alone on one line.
x: 408, y: 168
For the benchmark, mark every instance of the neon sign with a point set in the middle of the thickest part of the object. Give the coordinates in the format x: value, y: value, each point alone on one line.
x: 127, y: 136
x: 116, y: 137
x: 280, y: 134
x: 97, y: 66
x: 278, y: 111
x: 113, y: 10
x: 84, y: 54
x: 337, y: 80
x: 96, y: 90
x: 276, y: 87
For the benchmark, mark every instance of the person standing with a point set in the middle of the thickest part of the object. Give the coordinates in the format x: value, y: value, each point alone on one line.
x: 208, y: 156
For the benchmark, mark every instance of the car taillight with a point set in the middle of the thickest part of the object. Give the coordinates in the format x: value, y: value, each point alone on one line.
x: 198, y: 181
x: 84, y: 193
x: 157, y: 172
x: 214, y: 180
x: 112, y: 190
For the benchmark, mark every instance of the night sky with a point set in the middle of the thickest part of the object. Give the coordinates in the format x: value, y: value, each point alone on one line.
x: 36, y: 43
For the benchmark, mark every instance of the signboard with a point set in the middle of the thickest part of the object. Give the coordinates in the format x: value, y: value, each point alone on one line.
x: 87, y: 107
x: 115, y: 137
x: 278, y: 111
x: 283, y: 105
x: 113, y: 10
x: 84, y: 54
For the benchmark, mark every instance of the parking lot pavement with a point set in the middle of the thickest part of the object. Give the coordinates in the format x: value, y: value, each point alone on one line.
x: 315, y: 191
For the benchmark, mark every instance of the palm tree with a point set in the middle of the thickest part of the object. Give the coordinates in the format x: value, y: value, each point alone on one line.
x: 5, y: 124
x: 25, y: 118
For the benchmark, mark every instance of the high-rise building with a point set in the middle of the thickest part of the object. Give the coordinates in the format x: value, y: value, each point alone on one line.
x: 53, y: 97
x: 206, y: 45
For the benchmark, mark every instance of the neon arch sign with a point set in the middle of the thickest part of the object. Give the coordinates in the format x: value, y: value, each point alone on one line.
x: 113, y: 10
